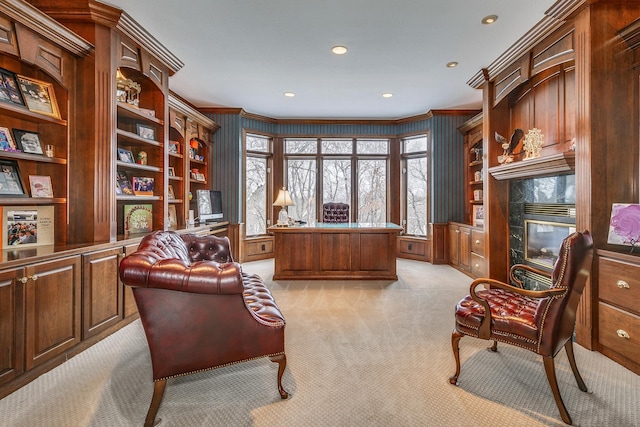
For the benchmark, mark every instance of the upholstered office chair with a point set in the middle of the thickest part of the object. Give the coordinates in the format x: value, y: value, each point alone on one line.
x: 539, y: 321
x: 335, y: 212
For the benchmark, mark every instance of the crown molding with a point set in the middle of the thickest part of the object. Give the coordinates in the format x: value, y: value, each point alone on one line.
x: 184, y: 107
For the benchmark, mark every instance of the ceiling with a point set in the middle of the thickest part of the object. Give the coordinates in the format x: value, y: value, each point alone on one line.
x: 246, y: 54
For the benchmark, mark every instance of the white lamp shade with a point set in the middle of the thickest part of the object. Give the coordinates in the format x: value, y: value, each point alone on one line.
x: 283, y: 199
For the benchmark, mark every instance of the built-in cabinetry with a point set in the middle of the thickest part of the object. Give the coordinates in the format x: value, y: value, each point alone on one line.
x: 474, y: 171
x: 466, y: 248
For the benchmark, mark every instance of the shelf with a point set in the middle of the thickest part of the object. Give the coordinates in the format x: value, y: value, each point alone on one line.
x: 476, y: 163
x: 136, y: 166
x: 137, y: 198
x: 194, y: 181
x: 542, y: 166
x: 199, y: 162
x: 131, y: 112
x: 475, y: 182
x: 21, y: 112
x: 32, y: 201
x: 176, y: 178
x: 476, y: 202
x: 33, y: 157
x: 176, y: 155
x: 175, y: 201
x: 132, y: 137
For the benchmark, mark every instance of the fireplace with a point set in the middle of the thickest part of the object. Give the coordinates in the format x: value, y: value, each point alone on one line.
x: 542, y: 240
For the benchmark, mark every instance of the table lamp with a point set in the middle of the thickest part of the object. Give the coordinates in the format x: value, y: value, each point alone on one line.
x: 283, y: 200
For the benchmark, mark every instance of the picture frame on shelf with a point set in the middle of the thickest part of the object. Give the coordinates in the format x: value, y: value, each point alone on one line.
x: 39, y: 96
x: 138, y: 219
x: 25, y: 226
x: 146, y: 132
x: 28, y: 141
x: 40, y: 186
x: 478, y: 216
x: 125, y: 156
x: 122, y: 181
x: 171, y: 171
x: 170, y: 193
x: 6, y: 141
x: 10, y: 181
x: 173, y: 217
x: 143, y: 185
x: 9, y: 89
x: 623, y: 225
x: 174, y: 147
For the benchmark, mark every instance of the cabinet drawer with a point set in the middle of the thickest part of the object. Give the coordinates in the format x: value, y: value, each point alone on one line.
x: 477, y: 265
x: 477, y: 242
x: 413, y: 247
x: 619, y: 283
x: 259, y: 247
x: 619, y: 331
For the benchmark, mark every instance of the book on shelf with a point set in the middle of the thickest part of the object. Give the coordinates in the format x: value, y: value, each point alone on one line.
x: 138, y: 218
x: 123, y: 184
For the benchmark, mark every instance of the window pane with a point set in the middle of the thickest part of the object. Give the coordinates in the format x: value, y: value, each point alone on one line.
x: 413, y: 145
x: 373, y: 146
x: 417, y: 196
x: 257, y: 143
x: 372, y: 191
x: 256, y: 191
x: 301, y: 177
x: 301, y: 146
x: 337, y: 146
x: 336, y: 181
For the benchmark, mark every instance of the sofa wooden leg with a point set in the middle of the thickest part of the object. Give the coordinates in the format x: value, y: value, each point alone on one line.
x: 550, y: 369
x: 455, y: 344
x: 158, y: 392
x: 281, y: 360
x: 572, y: 362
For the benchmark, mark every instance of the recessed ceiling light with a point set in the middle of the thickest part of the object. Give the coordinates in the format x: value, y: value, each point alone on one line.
x: 452, y: 64
x: 488, y: 20
x: 289, y: 94
x: 387, y: 95
x: 339, y: 50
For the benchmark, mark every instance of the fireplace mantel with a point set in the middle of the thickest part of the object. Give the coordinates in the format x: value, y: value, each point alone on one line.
x: 555, y: 164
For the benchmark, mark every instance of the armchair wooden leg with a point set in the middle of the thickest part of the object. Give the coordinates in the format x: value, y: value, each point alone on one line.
x: 281, y: 360
x: 572, y: 361
x: 455, y: 344
x: 550, y: 370
x: 158, y: 392
x: 494, y: 346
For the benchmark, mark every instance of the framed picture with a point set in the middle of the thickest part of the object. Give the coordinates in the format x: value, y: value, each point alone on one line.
x: 9, y: 90
x: 171, y: 194
x: 123, y: 183
x: 28, y: 142
x: 174, y: 147
x: 27, y: 226
x: 478, y: 215
x: 6, y: 141
x: 10, y: 182
x: 40, y: 186
x: 39, y: 96
x: 142, y: 186
x: 146, y: 132
x: 171, y: 171
x: 623, y: 225
x: 173, y: 217
x: 125, y: 155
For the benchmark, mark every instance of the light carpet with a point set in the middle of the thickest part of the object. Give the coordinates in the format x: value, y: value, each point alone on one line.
x: 360, y: 353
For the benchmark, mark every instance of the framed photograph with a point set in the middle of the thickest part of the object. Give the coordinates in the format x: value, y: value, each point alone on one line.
x: 142, y: 186
x: 174, y: 147
x: 171, y: 194
x: 10, y: 182
x: 624, y: 224
x: 6, y: 141
x: 40, y: 186
x: 171, y: 171
x: 9, y: 90
x: 125, y: 156
x: 146, y: 132
x: 39, y: 96
x: 123, y: 183
x: 27, y: 226
x: 28, y: 141
x: 173, y: 217
x: 478, y: 215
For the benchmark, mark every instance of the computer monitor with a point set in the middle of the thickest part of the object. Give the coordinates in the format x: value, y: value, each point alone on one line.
x: 209, y: 204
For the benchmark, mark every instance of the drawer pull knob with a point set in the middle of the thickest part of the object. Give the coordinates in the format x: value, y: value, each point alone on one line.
x: 477, y: 266
x: 34, y: 277
x: 623, y: 334
x: 477, y: 242
x: 622, y: 284
x: 23, y: 280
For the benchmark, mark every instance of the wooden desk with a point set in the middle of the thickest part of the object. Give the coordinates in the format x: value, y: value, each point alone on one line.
x: 336, y: 251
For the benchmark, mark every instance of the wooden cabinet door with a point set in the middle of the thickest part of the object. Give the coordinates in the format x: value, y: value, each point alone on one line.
x: 11, y: 325
x: 454, y: 231
x: 101, y: 291
x: 464, y: 247
x: 52, y: 307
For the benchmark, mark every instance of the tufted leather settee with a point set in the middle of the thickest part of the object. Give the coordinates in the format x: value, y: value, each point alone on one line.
x: 199, y: 310
x: 335, y: 212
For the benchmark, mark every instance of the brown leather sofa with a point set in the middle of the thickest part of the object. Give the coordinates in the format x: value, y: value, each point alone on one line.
x: 199, y: 310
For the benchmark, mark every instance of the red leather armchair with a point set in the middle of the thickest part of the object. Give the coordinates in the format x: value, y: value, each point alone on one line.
x: 335, y: 212
x: 540, y: 321
x: 199, y: 310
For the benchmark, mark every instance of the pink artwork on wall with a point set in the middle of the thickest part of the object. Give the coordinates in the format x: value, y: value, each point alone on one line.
x: 624, y: 227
